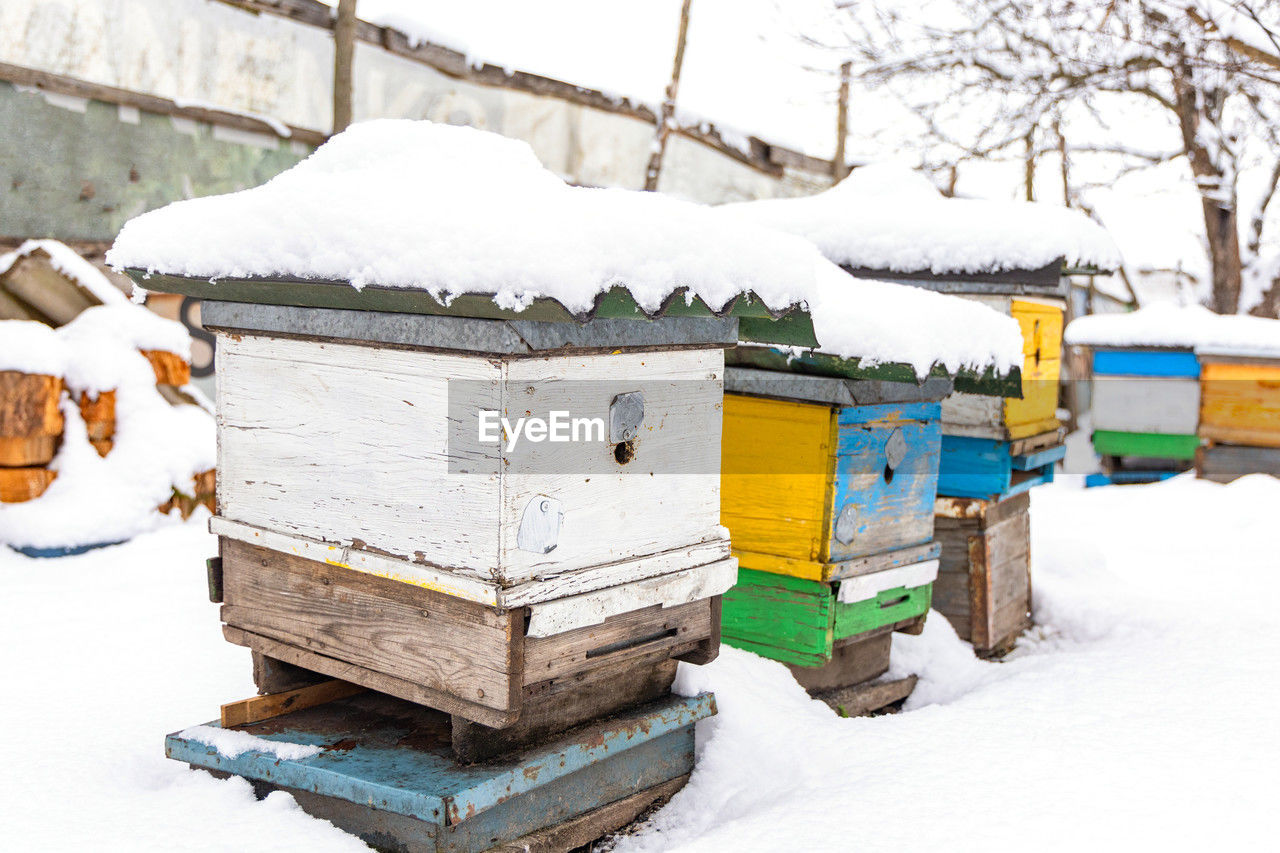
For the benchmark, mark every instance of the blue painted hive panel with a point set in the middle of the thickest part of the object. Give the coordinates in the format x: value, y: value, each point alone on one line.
x: 1137, y: 362
x: 984, y: 468
x: 886, y: 478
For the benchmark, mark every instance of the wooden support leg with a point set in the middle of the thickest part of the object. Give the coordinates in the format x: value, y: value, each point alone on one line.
x: 276, y: 676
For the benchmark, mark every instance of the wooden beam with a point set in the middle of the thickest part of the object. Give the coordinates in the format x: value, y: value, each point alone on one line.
x: 62, y: 85
x: 258, y: 708
x: 344, y: 47
x: 839, y: 168
x: 667, y: 118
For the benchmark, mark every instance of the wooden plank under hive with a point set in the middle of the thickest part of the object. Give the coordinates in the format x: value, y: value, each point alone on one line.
x: 984, y: 580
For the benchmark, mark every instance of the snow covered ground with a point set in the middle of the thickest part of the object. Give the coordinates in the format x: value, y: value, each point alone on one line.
x: 1140, y: 714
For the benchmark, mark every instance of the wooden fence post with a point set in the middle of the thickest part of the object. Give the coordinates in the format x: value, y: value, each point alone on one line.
x: 667, y: 117
x: 839, y: 168
x: 344, y: 46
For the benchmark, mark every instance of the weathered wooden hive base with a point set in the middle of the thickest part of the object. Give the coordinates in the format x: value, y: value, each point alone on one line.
x: 1223, y: 463
x: 386, y: 775
x: 506, y: 690
x: 984, y: 581
x: 851, y: 681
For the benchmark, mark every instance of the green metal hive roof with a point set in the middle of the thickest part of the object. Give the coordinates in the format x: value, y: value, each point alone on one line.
x: 758, y: 323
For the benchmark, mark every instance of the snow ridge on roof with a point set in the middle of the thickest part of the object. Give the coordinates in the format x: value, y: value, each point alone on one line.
x: 453, y: 210
x: 885, y: 217
x: 1188, y: 327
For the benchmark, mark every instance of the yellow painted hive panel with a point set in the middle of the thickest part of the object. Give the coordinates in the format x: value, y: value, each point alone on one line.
x: 1240, y: 403
x: 777, y: 475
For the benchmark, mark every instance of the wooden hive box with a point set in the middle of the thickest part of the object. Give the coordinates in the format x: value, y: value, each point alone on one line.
x: 1146, y: 405
x: 368, y: 534
x: 984, y: 580
x: 828, y: 494
x: 1036, y: 412
x: 1239, y: 399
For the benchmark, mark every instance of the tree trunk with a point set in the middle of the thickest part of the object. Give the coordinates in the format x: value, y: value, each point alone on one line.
x: 1221, y: 229
x: 1224, y: 255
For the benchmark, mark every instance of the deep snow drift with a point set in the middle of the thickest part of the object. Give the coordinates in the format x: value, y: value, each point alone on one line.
x: 1140, y: 714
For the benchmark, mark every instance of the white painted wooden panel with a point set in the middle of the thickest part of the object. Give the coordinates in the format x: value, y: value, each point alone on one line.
x: 863, y: 587
x: 667, y: 497
x: 972, y: 410
x: 341, y: 443
x: 1148, y: 404
x: 455, y: 584
x: 579, y: 611
x: 481, y: 591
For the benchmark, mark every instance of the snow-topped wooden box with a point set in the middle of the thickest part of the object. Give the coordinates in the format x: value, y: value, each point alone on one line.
x: 1036, y: 412
x: 374, y: 528
x: 376, y: 449
x: 828, y: 494
x: 1146, y: 403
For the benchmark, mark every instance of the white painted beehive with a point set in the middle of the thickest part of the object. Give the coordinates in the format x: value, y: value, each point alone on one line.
x: 327, y: 443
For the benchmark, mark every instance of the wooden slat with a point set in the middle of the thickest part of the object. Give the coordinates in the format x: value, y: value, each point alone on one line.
x: 427, y: 638
x: 867, y: 698
x: 379, y: 681
x: 673, y: 629
x: 556, y: 706
x: 258, y: 708
x: 584, y: 830
x: 1223, y: 463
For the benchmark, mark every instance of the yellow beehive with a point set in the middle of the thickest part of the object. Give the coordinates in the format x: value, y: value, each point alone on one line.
x: 1240, y: 401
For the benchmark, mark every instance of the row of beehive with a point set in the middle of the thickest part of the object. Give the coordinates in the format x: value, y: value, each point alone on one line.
x: 832, y: 510
x: 1160, y: 410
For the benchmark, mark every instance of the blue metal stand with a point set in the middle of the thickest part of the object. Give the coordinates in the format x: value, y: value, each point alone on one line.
x: 386, y: 771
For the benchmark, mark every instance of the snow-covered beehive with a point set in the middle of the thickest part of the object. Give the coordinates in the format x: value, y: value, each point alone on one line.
x: 1177, y: 384
x: 378, y: 310
x: 888, y: 223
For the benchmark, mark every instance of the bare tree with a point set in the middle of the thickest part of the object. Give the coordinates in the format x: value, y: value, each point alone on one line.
x: 995, y: 78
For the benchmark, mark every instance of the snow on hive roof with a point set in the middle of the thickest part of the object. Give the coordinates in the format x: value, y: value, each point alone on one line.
x: 1189, y: 327
x: 452, y: 210
x: 66, y: 261
x: 884, y: 217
